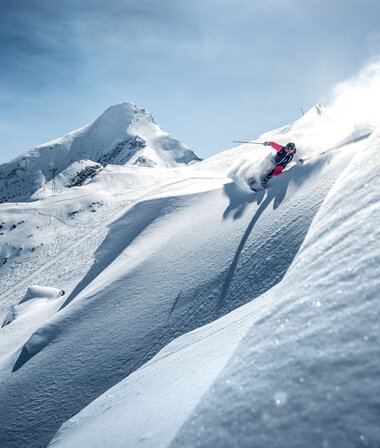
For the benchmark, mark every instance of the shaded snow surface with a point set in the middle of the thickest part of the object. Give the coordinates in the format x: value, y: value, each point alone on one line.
x: 299, y: 366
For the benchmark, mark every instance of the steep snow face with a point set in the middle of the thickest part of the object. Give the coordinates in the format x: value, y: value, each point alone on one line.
x: 123, y: 134
x: 144, y: 256
x: 307, y: 373
x: 190, y: 250
x: 298, y: 366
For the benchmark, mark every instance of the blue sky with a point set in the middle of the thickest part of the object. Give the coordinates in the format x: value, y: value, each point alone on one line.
x: 209, y: 71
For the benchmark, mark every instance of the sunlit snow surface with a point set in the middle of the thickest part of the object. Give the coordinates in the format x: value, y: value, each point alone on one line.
x: 147, y: 255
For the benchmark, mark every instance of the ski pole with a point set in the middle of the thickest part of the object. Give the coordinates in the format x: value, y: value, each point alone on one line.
x: 251, y: 143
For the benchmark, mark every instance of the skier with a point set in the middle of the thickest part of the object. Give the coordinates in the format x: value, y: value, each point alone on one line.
x: 283, y: 157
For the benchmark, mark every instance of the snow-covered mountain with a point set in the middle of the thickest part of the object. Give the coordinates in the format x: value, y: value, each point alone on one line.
x: 196, y: 313
x: 123, y: 135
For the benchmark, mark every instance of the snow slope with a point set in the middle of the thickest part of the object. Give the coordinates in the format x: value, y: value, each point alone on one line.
x: 50, y: 236
x: 37, y: 306
x: 298, y: 366
x: 146, y: 256
x: 123, y: 134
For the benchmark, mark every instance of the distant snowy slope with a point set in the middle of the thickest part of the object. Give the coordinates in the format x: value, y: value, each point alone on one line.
x: 123, y: 134
x: 320, y: 128
x: 299, y: 366
x: 52, y: 241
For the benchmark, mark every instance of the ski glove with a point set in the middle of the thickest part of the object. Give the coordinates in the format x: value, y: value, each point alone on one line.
x: 266, y: 143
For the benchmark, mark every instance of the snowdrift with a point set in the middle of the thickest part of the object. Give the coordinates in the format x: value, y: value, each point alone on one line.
x: 22, y: 320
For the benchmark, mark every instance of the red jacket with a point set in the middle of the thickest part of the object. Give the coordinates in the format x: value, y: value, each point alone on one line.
x: 275, y: 146
x: 281, y: 159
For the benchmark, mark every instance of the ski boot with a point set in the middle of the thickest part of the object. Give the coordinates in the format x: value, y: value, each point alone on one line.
x: 265, y: 180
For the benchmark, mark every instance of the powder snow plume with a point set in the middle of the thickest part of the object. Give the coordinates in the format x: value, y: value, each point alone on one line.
x: 357, y: 99
x: 253, y: 164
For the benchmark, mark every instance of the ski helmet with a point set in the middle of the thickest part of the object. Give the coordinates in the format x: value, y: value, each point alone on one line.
x: 291, y: 147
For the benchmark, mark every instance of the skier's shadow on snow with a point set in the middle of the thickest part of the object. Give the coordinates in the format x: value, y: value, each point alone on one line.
x: 238, y: 203
x: 239, y: 200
